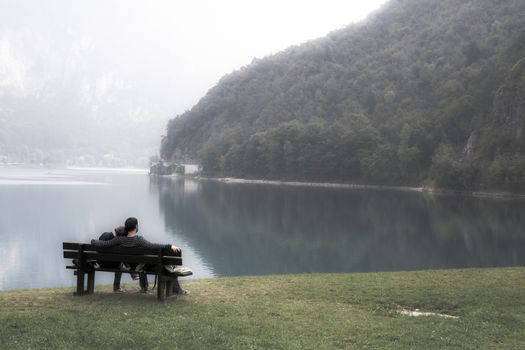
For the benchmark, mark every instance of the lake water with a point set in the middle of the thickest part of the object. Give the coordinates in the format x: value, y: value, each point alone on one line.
x: 230, y: 229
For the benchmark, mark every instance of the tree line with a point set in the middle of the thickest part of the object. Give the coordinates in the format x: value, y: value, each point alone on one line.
x: 422, y: 92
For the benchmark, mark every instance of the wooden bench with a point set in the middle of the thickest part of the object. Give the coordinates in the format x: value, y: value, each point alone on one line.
x: 85, y: 256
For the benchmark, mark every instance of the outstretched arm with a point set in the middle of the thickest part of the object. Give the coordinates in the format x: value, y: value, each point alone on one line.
x: 142, y: 242
x: 113, y: 242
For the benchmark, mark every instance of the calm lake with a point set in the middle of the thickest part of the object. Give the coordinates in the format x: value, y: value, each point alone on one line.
x: 247, y: 229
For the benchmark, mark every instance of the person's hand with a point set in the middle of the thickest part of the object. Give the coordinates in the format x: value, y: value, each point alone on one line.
x: 175, y: 249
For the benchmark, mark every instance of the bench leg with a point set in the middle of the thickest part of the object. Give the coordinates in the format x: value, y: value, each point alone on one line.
x: 80, y: 284
x: 91, y: 282
x: 161, y: 290
x: 169, y: 288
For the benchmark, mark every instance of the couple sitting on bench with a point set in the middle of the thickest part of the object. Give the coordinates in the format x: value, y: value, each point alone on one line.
x: 127, y: 237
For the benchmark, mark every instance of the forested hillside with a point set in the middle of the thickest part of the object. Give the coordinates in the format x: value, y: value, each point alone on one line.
x: 422, y: 92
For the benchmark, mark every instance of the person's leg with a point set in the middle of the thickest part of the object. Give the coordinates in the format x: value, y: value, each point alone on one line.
x: 116, y: 282
x: 175, y: 286
x: 143, y: 281
x: 177, y: 289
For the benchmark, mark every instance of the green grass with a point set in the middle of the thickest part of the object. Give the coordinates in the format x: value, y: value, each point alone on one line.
x: 319, y: 311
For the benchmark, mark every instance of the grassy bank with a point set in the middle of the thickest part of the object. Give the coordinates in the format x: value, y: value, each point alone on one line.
x: 320, y: 311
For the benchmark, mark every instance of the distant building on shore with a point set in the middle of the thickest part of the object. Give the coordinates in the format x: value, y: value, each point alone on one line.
x: 167, y: 168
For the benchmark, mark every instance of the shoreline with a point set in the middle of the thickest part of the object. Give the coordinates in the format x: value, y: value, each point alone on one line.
x: 213, y: 279
x: 421, y: 189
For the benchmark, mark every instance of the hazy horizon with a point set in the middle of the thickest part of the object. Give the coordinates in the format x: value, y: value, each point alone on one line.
x: 77, y: 76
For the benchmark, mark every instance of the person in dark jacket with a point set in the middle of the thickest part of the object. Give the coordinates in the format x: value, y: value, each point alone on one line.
x: 132, y: 239
x: 107, y: 236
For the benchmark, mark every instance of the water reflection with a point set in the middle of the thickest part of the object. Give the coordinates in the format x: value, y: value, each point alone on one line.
x: 238, y: 229
x: 39, y: 211
x: 262, y: 229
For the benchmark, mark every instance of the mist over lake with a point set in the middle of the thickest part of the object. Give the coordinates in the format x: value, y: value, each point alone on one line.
x: 230, y: 229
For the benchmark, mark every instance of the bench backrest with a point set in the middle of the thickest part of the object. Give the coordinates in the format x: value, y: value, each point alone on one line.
x: 83, y: 252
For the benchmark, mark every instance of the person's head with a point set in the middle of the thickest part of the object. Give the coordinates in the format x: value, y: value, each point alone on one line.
x: 120, y: 231
x: 131, y: 224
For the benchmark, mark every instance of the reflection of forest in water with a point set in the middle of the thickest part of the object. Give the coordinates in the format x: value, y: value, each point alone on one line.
x: 262, y: 229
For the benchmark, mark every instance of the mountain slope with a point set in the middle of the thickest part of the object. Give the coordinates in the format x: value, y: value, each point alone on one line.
x: 423, y: 91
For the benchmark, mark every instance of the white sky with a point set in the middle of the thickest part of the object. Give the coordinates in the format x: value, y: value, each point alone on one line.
x: 168, y: 52
x: 212, y: 38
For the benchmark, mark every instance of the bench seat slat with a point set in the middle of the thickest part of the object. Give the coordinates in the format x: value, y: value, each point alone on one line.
x: 140, y: 259
x: 71, y: 255
x: 171, y: 260
x: 149, y: 272
x: 117, y: 249
x: 70, y: 246
x: 130, y: 251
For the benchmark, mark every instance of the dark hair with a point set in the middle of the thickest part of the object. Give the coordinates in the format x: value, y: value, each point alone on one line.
x: 130, y: 224
x: 120, y: 231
